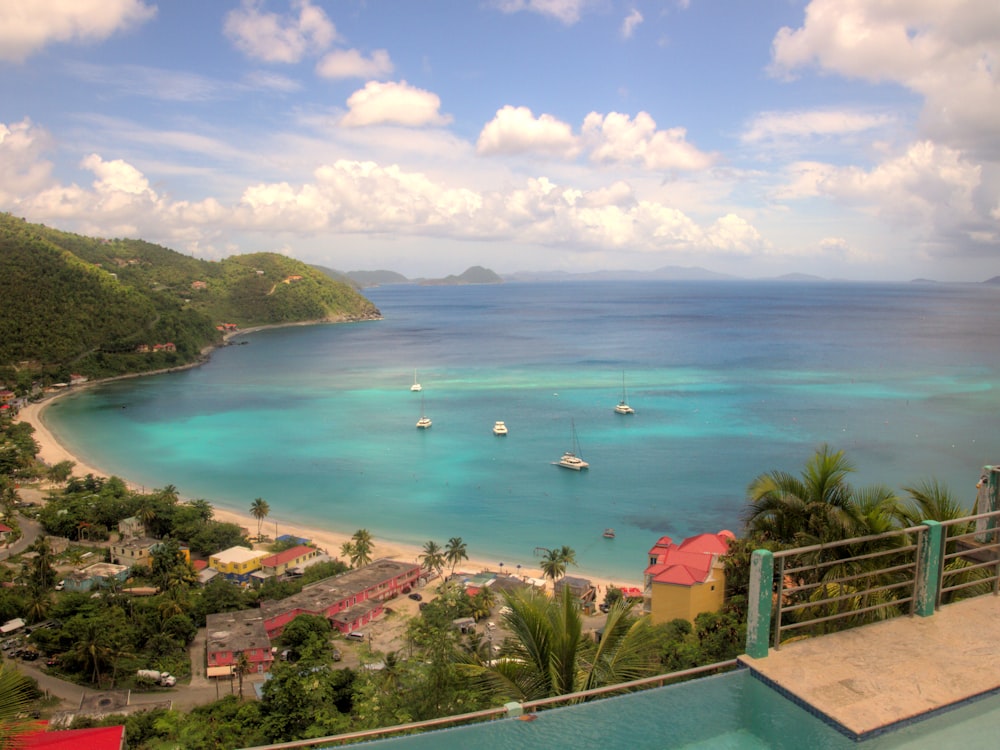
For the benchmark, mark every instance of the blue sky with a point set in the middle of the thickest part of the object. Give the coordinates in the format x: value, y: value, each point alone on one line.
x: 855, y: 139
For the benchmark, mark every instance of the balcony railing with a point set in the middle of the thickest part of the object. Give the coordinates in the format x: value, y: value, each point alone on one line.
x: 855, y: 581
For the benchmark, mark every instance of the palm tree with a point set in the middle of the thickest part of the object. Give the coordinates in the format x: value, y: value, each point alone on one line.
x: 93, y: 647
x: 432, y: 558
x: 818, y: 506
x: 241, y: 666
x: 552, y: 565
x: 455, y: 552
x: 15, y: 696
x: 361, y: 554
x: 548, y: 653
x: 259, y: 509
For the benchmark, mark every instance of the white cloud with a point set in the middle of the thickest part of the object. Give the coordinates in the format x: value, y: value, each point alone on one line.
x: 26, y: 27
x: 394, y: 104
x: 931, y: 186
x: 283, y: 39
x: 352, y: 64
x: 769, y: 126
x: 631, y: 22
x: 515, y: 130
x: 944, y: 50
x: 22, y: 168
x: 617, y: 139
x: 567, y: 11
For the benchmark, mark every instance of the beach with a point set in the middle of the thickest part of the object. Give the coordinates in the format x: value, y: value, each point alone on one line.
x: 51, y: 451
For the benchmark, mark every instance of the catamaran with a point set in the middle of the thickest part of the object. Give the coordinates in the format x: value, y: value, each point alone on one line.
x: 571, y: 459
x: 623, y: 407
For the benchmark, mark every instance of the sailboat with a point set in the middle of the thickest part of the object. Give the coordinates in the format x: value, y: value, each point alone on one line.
x: 416, y: 385
x: 623, y: 407
x: 571, y: 459
x: 424, y: 422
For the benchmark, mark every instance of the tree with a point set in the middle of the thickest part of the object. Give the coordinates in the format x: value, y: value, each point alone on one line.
x: 819, y: 506
x: 432, y: 557
x: 455, y: 551
x: 548, y: 654
x: 259, y: 509
x: 361, y: 552
x: 555, y: 561
x: 15, y: 695
x: 241, y: 667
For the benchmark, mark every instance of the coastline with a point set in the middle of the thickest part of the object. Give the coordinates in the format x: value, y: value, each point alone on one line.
x: 52, y: 451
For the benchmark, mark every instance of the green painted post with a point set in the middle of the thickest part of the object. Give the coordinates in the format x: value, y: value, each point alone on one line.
x: 759, y: 609
x: 929, y: 570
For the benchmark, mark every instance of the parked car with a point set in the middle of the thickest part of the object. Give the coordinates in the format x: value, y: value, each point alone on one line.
x: 29, y: 655
x: 416, y: 597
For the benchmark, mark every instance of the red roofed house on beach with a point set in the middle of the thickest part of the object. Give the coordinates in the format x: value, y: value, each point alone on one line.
x: 683, y: 580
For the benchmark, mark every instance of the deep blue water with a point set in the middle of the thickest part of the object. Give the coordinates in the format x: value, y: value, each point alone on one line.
x: 728, y: 380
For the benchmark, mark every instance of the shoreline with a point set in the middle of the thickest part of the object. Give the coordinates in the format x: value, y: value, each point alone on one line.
x: 52, y: 451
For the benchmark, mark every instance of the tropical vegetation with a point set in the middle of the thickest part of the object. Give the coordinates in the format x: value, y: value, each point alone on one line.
x: 99, y: 308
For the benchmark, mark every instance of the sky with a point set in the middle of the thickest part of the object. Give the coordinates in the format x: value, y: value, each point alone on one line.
x: 849, y: 139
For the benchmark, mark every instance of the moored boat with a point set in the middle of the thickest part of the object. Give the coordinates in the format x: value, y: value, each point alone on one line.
x: 499, y: 428
x: 609, y: 534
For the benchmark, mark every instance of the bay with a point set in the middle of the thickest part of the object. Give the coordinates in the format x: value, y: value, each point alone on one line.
x: 728, y: 380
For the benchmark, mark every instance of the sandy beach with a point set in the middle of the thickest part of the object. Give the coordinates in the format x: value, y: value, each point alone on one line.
x: 52, y: 452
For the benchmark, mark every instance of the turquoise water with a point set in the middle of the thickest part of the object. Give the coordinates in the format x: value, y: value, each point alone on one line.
x: 733, y: 711
x: 728, y: 380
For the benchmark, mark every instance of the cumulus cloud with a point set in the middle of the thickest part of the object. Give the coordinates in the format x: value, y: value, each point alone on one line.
x: 352, y: 64
x: 631, y: 22
x: 393, y: 104
x: 26, y: 27
x: 567, y: 11
x: 929, y: 185
x: 515, y: 130
x: 769, y: 126
x: 945, y: 51
x: 23, y: 170
x: 282, y: 39
x: 618, y: 139
x: 359, y: 197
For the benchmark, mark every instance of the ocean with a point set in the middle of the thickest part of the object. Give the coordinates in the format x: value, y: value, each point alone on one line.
x: 728, y: 380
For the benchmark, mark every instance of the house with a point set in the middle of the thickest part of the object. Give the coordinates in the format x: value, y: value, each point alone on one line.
x: 199, y: 285
x: 289, y: 560
x: 231, y: 633
x: 94, y: 576
x: 132, y: 552
x: 6, y: 532
x: 349, y: 600
x: 237, y: 563
x: 581, y: 589
x: 11, y: 626
x: 131, y: 527
x: 683, y: 580
x: 95, y: 738
x: 76, y: 379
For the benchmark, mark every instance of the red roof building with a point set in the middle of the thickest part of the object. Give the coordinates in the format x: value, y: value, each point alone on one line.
x: 99, y: 738
x: 683, y: 580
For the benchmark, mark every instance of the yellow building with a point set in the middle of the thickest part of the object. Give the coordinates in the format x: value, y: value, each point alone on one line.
x: 237, y: 563
x: 683, y: 580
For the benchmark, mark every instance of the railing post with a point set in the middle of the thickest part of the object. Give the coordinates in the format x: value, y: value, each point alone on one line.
x: 759, y: 604
x: 929, y: 569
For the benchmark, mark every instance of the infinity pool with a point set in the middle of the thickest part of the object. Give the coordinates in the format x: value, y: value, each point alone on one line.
x: 733, y: 711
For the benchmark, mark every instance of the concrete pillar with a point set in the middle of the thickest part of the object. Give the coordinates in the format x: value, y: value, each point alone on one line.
x: 929, y: 570
x: 760, y: 604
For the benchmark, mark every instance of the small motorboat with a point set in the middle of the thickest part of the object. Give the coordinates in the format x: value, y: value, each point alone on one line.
x: 609, y: 533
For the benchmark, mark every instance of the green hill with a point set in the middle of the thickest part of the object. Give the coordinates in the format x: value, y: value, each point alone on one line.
x: 75, y: 304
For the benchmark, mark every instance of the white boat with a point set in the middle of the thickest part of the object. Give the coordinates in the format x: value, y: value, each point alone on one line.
x: 416, y: 385
x: 424, y: 422
x: 609, y: 534
x: 571, y: 459
x: 623, y: 407
x: 499, y: 428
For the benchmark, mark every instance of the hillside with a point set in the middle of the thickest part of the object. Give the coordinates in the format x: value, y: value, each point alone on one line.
x: 75, y: 304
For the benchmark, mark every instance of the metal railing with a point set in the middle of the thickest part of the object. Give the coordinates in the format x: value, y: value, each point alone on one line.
x: 859, y: 580
x: 509, y: 710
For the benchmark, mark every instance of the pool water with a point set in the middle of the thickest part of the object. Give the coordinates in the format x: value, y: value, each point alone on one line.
x: 733, y: 711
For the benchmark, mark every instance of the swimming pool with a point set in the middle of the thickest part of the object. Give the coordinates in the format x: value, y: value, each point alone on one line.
x: 732, y: 711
